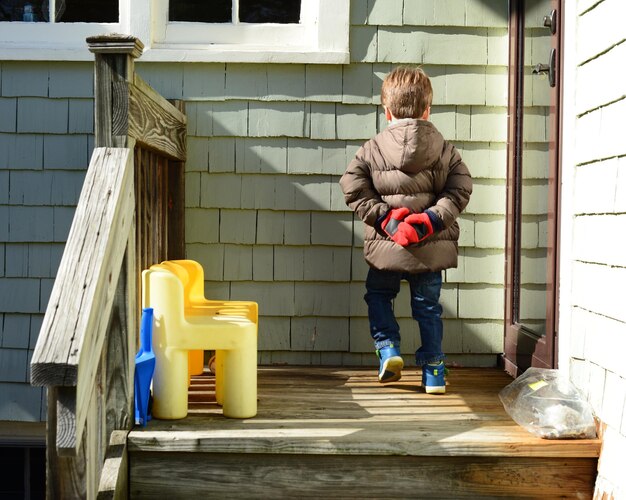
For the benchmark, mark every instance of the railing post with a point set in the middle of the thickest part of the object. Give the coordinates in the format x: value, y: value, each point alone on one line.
x: 114, y: 68
x: 128, y: 113
x: 85, y: 351
x: 114, y: 72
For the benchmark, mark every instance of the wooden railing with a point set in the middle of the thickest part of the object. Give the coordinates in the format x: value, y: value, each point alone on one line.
x: 130, y: 215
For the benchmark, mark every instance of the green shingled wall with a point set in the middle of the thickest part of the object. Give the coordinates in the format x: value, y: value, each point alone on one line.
x: 268, y: 143
x: 265, y: 215
x: 46, y: 127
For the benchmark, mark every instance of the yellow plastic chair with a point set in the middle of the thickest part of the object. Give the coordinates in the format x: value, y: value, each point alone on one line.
x: 191, y: 275
x: 178, y: 330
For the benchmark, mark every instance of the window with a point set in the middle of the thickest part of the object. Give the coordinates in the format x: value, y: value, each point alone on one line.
x: 61, y: 11
x: 314, y: 31
x: 251, y: 31
x: 242, y: 11
x: 55, y: 29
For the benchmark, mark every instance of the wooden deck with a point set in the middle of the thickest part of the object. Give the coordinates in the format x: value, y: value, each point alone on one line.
x: 338, y: 432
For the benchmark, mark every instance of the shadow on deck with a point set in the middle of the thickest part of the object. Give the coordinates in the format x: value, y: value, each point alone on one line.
x: 336, y: 432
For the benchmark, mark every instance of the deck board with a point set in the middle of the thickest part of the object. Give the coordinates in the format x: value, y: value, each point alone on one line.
x: 342, y: 411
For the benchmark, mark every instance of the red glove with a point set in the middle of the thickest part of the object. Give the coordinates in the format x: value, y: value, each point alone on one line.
x: 400, y: 232
x: 422, y: 225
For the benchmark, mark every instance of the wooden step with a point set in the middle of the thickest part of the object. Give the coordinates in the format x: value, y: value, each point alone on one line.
x: 337, y: 432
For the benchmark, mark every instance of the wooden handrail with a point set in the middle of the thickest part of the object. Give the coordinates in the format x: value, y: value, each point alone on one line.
x: 127, y: 107
x: 74, y: 328
x: 154, y: 122
x: 130, y: 215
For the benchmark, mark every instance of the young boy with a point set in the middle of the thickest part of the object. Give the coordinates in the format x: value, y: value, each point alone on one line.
x: 408, y: 185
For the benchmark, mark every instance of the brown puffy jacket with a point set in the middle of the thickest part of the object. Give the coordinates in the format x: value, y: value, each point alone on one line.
x: 410, y: 165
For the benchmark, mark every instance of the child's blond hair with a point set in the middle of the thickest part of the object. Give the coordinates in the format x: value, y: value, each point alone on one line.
x: 407, y: 92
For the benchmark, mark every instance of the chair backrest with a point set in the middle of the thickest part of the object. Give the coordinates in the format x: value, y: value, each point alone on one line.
x: 191, y: 275
x: 163, y: 291
x: 194, y: 287
x: 181, y: 273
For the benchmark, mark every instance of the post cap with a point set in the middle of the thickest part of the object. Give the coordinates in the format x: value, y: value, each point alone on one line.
x: 115, y: 43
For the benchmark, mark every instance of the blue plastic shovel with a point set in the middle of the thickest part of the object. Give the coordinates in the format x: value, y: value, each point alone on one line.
x: 144, y: 368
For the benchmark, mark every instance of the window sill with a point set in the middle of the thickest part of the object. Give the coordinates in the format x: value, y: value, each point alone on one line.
x: 49, y: 52
x: 243, y: 54
x: 177, y: 53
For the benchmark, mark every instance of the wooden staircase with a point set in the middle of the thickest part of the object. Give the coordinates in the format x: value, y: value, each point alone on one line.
x: 336, y: 432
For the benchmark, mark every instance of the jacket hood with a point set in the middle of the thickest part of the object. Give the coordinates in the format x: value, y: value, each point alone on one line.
x: 411, y: 145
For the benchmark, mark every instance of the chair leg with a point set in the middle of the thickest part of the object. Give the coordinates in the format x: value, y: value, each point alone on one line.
x: 240, y: 383
x: 219, y: 377
x: 170, y: 384
x: 196, y: 362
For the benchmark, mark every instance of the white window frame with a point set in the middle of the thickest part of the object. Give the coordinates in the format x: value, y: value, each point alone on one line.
x: 321, y: 37
x: 51, y: 41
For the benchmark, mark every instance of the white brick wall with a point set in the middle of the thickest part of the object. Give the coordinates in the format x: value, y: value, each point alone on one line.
x: 596, y: 187
x: 601, y: 74
x: 597, y: 287
x: 593, y: 332
x: 611, y: 477
x: 600, y: 29
x: 598, y: 239
x: 593, y: 267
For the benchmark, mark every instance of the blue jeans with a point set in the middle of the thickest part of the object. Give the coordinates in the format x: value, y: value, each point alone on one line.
x: 383, y: 287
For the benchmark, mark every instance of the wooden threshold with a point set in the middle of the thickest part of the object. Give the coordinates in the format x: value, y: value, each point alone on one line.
x: 341, y: 411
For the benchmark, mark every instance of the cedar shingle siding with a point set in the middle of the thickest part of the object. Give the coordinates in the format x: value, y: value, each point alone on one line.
x: 46, y: 127
x: 265, y: 215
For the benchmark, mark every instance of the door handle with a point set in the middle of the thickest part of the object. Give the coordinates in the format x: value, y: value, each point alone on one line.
x: 549, y: 21
x: 548, y: 68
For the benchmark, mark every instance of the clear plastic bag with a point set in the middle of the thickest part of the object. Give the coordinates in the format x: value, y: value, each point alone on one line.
x: 548, y: 405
